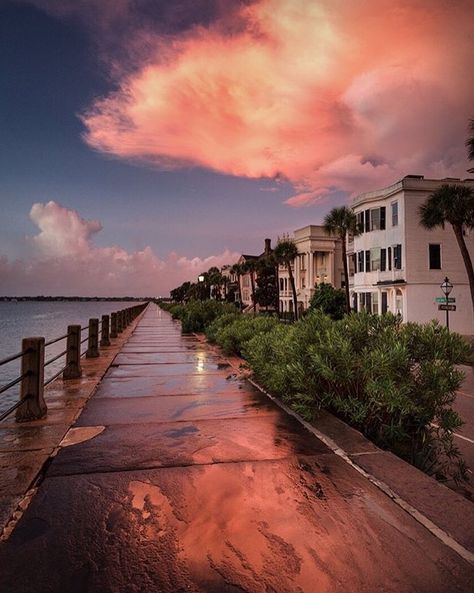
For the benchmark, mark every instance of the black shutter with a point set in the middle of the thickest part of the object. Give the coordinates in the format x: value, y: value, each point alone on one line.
x: 384, y: 303
x: 397, y: 257
x: 382, y: 218
x: 368, y: 301
x: 367, y: 261
x: 389, y: 258
x: 383, y: 260
x: 367, y: 221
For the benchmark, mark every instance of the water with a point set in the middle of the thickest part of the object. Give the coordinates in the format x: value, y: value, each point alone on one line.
x: 48, y: 319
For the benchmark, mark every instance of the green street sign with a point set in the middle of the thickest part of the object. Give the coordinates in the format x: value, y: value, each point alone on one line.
x: 444, y: 300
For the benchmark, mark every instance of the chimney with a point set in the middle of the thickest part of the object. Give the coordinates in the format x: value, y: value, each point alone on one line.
x: 268, y: 246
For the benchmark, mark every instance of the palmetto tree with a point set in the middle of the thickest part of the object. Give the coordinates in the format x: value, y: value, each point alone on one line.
x: 454, y: 204
x: 470, y: 141
x: 341, y: 222
x: 285, y: 253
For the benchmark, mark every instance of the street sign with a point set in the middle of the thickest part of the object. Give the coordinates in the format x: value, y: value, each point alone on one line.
x: 446, y: 307
x: 445, y: 300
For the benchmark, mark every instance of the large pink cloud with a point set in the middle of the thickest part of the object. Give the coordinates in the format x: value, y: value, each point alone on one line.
x: 65, y: 261
x: 330, y: 95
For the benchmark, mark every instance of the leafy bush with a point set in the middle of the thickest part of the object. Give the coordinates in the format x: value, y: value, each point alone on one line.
x: 197, y: 315
x: 329, y: 300
x: 219, y: 323
x: 396, y: 383
x: 233, y: 336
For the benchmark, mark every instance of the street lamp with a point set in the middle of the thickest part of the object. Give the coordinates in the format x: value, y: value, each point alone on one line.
x: 201, y: 278
x: 447, y: 287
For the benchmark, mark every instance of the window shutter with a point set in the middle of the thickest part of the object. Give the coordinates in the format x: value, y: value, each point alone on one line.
x: 382, y: 218
x: 367, y: 261
x: 383, y: 260
x: 384, y: 303
x: 368, y: 301
x: 389, y: 258
x: 367, y: 221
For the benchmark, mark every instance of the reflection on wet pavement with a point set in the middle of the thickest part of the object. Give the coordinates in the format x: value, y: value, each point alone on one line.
x: 179, y: 477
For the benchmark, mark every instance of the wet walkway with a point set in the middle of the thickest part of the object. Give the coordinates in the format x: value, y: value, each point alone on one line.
x: 184, y: 478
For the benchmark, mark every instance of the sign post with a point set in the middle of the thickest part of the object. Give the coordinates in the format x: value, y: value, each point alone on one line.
x: 447, y: 287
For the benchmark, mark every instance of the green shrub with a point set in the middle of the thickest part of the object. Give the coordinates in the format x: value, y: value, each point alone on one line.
x: 196, y: 315
x: 396, y: 383
x: 329, y: 300
x: 234, y: 335
x: 219, y: 323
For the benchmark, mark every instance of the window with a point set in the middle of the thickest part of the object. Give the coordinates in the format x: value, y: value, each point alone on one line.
x: 377, y: 219
x: 375, y: 303
x: 367, y: 261
x: 281, y: 285
x: 375, y: 259
x: 397, y: 257
x: 394, y: 213
x: 360, y: 221
x: 360, y: 261
x: 435, y: 256
x: 383, y: 260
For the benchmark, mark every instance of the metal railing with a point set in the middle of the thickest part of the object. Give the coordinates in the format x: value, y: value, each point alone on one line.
x: 31, y: 405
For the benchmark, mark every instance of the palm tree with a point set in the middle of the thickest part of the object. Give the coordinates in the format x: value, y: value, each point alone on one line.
x: 454, y: 204
x: 215, y: 281
x: 342, y: 221
x: 249, y: 267
x: 285, y: 253
x: 470, y: 141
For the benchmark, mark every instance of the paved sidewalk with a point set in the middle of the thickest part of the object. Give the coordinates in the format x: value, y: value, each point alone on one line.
x: 182, y: 478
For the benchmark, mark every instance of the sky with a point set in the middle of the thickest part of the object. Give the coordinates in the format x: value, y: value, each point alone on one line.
x: 144, y: 141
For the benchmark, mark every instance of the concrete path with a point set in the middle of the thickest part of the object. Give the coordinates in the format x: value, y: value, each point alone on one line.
x: 464, y: 437
x: 195, y: 482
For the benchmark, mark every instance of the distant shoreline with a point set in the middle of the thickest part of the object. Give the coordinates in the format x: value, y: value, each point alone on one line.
x: 72, y: 298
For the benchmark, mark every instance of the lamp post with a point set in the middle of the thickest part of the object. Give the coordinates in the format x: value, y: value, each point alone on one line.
x: 201, y: 280
x: 447, y: 287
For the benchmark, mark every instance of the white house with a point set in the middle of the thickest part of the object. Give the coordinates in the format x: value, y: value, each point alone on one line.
x: 319, y: 260
x: 398, y: 265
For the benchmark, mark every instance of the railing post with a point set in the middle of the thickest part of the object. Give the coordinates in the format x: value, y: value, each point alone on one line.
x: 119, y: 322
x: 73, y: 356
x: 104, y: 337
x: 113, y: 325
x: 93, y: 340
x: 32, y: 389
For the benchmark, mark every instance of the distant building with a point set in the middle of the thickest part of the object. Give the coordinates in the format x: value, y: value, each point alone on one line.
x: 246, y: 279
x: 398, y: 266
x: 319, y: 261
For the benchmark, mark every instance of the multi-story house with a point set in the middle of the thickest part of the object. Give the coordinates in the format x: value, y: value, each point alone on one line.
x: 398, y: 266
x: 250, y: 277
x: 319, y: 260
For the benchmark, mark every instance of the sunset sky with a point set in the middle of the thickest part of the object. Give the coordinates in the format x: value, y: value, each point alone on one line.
x: 143, y: 141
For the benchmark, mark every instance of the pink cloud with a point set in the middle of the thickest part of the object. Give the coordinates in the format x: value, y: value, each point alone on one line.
x: 65, y: 261
x: 343, y: 95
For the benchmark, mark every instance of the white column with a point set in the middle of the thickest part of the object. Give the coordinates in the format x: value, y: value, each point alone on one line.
x: 310, y: 276
x: 331, y: 271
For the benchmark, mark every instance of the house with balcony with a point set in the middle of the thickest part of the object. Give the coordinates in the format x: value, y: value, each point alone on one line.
x: 319, y: 261
x: 398, y: 266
